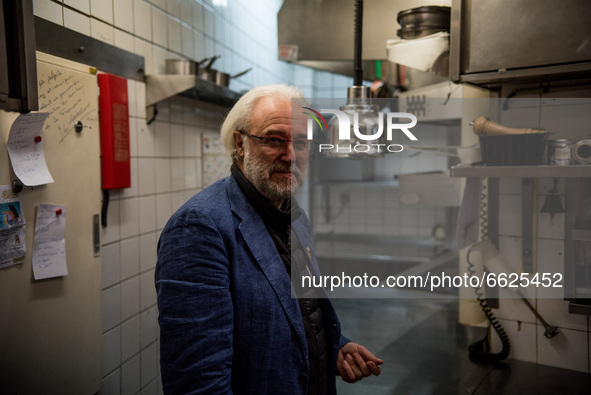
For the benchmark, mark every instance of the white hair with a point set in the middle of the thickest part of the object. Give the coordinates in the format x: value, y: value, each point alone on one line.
x: 239, y: 117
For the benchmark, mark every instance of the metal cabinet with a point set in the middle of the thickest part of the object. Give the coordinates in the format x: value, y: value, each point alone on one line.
x: 503, y: 41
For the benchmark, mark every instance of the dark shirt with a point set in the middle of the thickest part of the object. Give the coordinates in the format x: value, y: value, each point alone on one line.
x: 278, y: 223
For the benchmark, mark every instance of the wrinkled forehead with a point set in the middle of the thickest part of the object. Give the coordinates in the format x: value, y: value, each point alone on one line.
x: 280, y: 114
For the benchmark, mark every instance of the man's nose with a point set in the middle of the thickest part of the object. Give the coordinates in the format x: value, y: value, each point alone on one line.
x: 288, y: 152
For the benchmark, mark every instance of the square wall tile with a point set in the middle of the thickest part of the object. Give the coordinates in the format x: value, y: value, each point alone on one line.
x: 130, y: 298
x: 147, y: 290
x: 103, y: 10
x: 111, y: 350
x: 147, y: 178
x: 162, y: 139
x: 147, y: 209
x: 177, y: 174
x: 78, y: 22
x: 568, y: 350
x: 149, y: 326
x: 48, y: 10
x: 175, y: 42
x: 81, y: 5
x: 130, y: 338
x: 102, y: 31
x: 163, y: 175
x: 149, y: 364
x: 163, y: 209
x: 174, y: 7
x: 129, y: 217
x: 130, y: 376
x: 130, y: 257
x: 209, y: 22
x: 177, y: 109
x: 142, y: 19
x: 148, y: 243
x: 111, y: 266
x: 159, y: 28
x: 123, y: 14
x: 111, y: 384
x: 192, y: 141
x: 176, y: 140
x: 146, y: 138
x: 126, y: 41
x: 186, y: 11
x: 111, y: 307
x: 188, y: 42
x: 190, y: 173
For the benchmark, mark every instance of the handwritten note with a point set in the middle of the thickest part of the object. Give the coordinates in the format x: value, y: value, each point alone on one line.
x: 49, y: 245
x: 68, y: 98
x: 25, y: 148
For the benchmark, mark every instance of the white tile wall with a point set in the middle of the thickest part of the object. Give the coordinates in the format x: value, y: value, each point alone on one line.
x: 570, y: 348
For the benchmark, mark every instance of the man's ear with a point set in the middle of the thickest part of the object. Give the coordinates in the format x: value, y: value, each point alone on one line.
x: 239, y: 143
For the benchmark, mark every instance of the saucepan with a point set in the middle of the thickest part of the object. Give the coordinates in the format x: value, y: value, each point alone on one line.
x: 223, y: 79
x: 181, y: 66
x: 184, y: 66
x: 207, y: 73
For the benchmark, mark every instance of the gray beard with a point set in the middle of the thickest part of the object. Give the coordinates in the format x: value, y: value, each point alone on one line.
x: 258, y: 172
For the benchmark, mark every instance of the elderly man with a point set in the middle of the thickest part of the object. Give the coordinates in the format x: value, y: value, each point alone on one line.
x: 228, y: 320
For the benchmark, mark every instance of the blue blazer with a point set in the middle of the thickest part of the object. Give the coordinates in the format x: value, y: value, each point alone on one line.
x: 228, y: 322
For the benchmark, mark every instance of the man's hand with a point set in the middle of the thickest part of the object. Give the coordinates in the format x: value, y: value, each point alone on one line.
x: 356, y: 362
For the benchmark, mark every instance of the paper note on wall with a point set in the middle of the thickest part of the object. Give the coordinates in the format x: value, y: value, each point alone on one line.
x: 49, y: 245
x: 25, y: 148
x: 12, y: 228
x: 216, y: 161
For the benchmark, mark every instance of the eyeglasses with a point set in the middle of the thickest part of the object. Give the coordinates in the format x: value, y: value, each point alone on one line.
x: 276, y: 142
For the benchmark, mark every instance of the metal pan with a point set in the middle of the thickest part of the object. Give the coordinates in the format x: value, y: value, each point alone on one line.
x: 181, y: 66
x: 207, y: 73
x: 223, y: 79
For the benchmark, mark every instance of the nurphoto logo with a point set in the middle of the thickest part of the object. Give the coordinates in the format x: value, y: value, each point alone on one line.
x: 375, y: 140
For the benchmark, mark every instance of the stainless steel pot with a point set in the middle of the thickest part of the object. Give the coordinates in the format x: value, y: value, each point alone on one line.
x: 207, y: 73
x: 223, y: 79
x: 426, y: 16
x: 423, y: 21
x: 181, y: 66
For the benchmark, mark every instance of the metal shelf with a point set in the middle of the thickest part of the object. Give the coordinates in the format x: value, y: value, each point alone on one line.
x: 164, y: 86
x: 521, y: 171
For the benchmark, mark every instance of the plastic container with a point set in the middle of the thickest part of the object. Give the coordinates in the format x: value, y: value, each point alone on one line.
x: 512, y: 150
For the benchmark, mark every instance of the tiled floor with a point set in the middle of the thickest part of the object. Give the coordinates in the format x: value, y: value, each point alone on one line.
x: 424, y: 353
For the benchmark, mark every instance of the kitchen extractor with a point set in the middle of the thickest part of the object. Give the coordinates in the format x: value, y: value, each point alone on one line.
x: 303, y: 36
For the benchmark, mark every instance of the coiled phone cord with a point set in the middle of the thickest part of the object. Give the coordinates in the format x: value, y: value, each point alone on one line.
x: 479, y: 351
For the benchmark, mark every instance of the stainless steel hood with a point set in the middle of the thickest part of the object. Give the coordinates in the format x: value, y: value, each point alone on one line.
x: 319, y: 33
